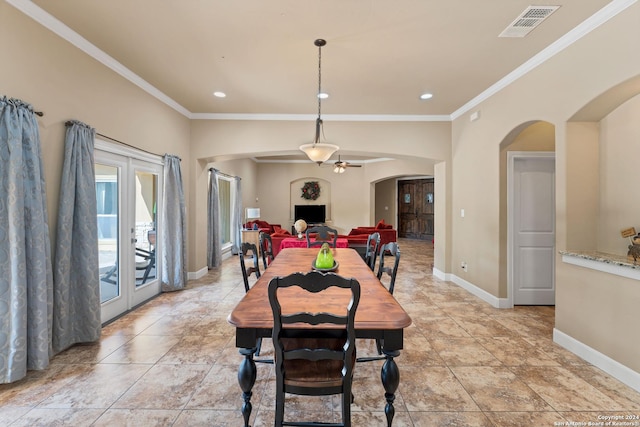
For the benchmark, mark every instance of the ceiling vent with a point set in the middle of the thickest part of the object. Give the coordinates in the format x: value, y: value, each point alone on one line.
x: 528, y: 20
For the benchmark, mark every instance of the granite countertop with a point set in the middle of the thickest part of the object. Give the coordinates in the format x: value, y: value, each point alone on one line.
x: 620, y: 260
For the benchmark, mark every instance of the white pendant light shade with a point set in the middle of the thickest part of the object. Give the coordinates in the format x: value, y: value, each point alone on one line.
x: 319, y: 152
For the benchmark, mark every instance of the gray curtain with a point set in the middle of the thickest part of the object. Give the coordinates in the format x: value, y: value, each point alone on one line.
x: 214, y: 246
x: 76, y: 279
x: 26, y: 278
x: 174, y: 228
x: 237, y: 215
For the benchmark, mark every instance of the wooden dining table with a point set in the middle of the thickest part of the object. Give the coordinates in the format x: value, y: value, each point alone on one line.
x: 379, y: 316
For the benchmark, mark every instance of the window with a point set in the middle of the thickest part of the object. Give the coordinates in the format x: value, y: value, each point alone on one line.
x: 226, y: 200
x: 107, y: 201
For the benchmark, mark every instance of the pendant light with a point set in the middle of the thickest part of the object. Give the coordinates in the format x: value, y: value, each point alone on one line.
x: 317, y: 151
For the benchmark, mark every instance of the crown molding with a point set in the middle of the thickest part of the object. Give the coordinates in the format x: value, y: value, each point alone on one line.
x: 325, y: 117
x: 56, y: 26
x: 581, y: 30
x: 53, y: 24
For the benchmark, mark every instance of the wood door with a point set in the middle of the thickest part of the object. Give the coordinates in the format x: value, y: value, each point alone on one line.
x: 415, y: 208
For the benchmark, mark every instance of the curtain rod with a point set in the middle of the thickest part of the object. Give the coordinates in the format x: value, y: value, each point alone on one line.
x: 69, y: 123
x: 222, y: 173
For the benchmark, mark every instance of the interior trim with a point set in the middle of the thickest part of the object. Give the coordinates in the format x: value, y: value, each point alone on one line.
x: 615, y: 369
x: 56, y: 26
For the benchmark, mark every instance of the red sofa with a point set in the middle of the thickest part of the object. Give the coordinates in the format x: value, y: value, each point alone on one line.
x: 277, y: 238
x: 262, y: 226
x: 387, y: 233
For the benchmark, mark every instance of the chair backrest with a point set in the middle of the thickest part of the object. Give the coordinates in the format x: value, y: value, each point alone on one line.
x: 390, y: 249
x: 313, y: 345
x: 323, y: 234
x: 373, y: 242
x: 249, y: 250
x: 266, y: 247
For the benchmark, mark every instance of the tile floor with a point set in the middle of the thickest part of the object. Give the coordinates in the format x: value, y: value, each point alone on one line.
x: 173, y: 362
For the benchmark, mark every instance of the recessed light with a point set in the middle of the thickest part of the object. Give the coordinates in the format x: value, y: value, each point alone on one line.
x: 323, y: 95
x: 426, y: 96
x: 219, y: 94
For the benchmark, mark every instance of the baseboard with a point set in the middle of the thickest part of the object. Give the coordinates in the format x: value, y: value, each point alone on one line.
x: 480, y: 293
x: 441, y: 275
x: 195, y: 275
x: 599, y: 360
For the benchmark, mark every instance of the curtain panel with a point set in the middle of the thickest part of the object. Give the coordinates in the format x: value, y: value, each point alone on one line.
x: 76, y: 296
x: 26, y: 276
x: 174, y: 228
x: 237, y: 218
x: 214, y: 246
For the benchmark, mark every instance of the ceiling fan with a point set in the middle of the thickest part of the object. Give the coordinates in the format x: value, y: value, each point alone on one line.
x: 340, y: 166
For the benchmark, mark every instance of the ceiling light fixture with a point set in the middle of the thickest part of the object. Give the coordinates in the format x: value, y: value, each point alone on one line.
x: 219, y: 94
x: 317, y: 151
x: 426, y: 96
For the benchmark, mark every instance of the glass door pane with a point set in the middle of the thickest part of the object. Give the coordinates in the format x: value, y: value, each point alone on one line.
x: 107, y: 190
x: 146, y: 190
x: 129, y: 198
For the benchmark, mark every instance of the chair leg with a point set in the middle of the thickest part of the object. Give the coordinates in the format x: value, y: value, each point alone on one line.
x: 347, y: 399
x: 279, y: 416
x: 379, y: 346
x: 259, y: 346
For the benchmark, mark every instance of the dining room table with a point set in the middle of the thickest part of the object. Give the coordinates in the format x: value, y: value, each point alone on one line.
x: 295, y: 242
x: 379, y: 316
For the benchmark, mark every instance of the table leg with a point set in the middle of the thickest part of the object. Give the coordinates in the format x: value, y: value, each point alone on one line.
x: 247, y: 374
x: 390, y: 376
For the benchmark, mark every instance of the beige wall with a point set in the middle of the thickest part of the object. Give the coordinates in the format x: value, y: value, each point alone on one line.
x: 386, y: 205
x: 63, y: 82
x: 619, y: 175
x: 552, y: 92
x: 416, y: 145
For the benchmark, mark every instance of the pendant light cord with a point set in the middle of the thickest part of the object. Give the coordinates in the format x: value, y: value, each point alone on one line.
x: 319, y: 79
x: 319, y: 127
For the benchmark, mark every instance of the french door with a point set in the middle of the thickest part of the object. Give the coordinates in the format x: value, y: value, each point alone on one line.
x: 128, y: 193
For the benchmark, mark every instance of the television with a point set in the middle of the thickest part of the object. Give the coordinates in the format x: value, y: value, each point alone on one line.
x: 312, y: 214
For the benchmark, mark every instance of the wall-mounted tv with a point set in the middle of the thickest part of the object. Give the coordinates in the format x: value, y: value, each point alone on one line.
x: 312, y: 214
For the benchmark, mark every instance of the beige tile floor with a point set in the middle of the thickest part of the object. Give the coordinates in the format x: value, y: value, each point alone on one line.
x: 172, y: 362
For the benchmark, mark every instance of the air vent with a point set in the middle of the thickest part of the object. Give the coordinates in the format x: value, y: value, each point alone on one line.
x: 530, y: 18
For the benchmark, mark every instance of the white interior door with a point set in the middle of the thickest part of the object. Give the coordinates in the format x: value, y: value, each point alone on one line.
x: 128, y: 194
x: 532, y: 228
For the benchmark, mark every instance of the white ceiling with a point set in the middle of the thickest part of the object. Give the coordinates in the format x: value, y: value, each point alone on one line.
x: 380, y: 55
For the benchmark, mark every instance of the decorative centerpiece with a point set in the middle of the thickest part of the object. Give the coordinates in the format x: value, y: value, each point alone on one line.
x: 300, y: 227
x: 310, y: 190
x: 324, y: 260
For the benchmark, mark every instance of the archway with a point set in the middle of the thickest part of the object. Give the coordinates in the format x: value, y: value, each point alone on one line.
x: 532, y: 136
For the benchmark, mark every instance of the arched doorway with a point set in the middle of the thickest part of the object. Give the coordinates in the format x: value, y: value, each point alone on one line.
x: 527, y: 214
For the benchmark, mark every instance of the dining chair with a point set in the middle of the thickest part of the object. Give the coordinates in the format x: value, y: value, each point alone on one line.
x: 390, y: 249
x: 373, y: 242
x: 146, y: 263
x: 323, y: 234
x: 314, y: 360
x: 249, y: 250
x: 266, y: 248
